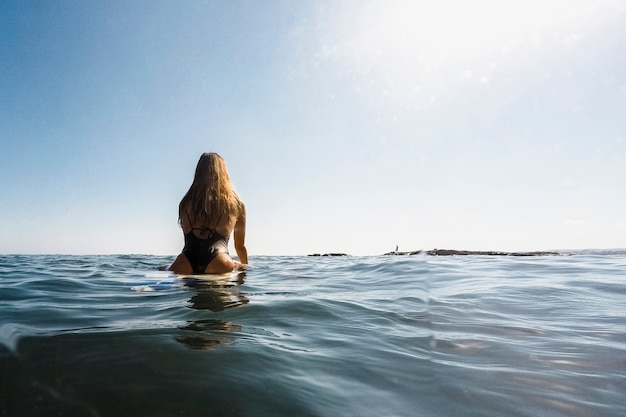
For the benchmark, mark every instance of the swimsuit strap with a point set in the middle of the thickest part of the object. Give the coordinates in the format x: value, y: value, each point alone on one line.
x: 212, y: 230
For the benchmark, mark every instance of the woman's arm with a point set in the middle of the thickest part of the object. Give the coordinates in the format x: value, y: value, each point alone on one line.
x: 240, y: 237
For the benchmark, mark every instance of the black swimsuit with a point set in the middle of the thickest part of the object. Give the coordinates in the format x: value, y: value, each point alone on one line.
x: 200, y: 252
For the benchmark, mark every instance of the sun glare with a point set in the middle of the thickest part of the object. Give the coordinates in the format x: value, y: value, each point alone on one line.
x: 420, y: 48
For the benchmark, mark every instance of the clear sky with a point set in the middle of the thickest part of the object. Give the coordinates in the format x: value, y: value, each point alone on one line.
x: 347, y: 126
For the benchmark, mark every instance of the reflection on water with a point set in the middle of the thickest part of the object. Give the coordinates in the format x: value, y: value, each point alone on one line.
x: 215, y: 295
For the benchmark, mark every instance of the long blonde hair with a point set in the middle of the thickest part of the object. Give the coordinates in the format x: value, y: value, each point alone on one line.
x: 211, y: 194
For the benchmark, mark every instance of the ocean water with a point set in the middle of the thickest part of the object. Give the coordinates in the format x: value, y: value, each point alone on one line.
x: 315, y: 336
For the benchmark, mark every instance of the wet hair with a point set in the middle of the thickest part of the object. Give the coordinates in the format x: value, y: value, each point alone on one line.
x: 211, y: 195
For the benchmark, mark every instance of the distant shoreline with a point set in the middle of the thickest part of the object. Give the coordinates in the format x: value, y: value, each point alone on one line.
x: 454, y: 252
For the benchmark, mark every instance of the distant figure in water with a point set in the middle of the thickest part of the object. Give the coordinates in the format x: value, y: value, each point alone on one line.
x: 208, y: 214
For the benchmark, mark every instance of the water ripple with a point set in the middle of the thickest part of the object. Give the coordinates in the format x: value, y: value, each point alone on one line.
x: 366, y: 336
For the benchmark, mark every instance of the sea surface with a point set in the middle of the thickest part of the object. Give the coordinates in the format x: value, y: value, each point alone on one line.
x: 315, y: 336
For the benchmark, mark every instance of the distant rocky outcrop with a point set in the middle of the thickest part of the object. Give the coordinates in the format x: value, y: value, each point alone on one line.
x: 454, y: 252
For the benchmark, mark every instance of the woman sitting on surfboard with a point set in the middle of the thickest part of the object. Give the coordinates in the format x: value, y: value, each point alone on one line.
x: 208, y: 214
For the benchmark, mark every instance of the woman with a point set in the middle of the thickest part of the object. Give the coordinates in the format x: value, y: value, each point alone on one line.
x: 208, y: 214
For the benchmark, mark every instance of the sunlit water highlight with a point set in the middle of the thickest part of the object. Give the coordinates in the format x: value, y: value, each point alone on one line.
x: 315, y: 336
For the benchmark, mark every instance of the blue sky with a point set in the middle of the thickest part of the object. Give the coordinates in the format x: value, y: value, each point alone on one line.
x: 347, y: 126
